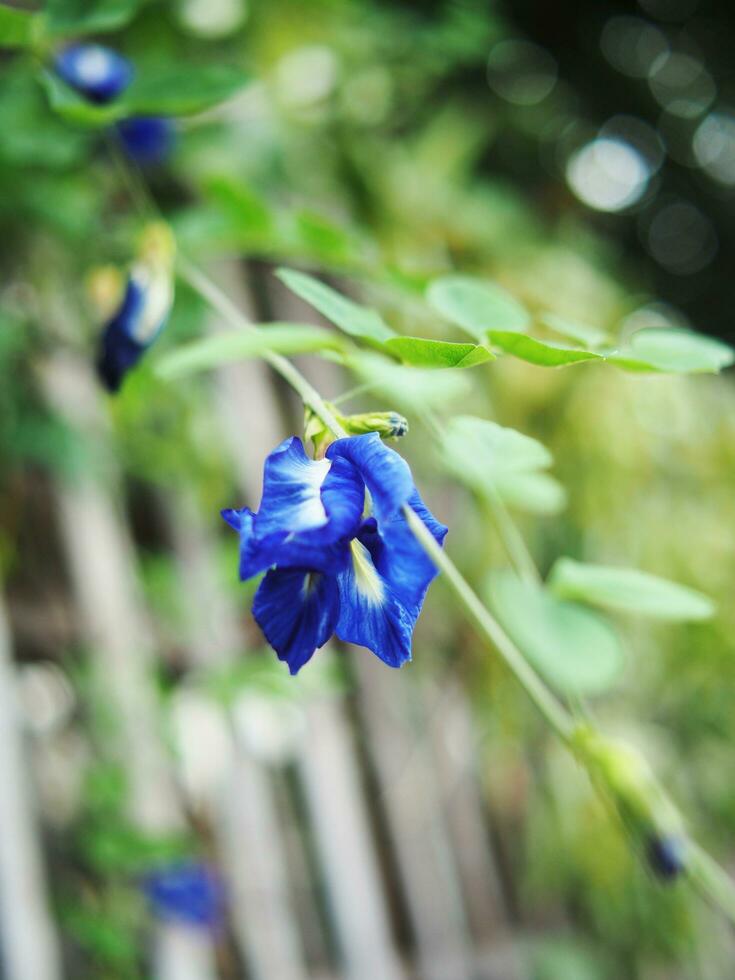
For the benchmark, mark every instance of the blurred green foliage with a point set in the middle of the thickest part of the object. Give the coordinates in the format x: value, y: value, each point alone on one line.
x: 349, y: 151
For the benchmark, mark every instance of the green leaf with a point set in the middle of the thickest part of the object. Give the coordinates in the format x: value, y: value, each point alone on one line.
x: 410, y: 387
x: 162, y: 91
x: 76, y: 17
x: 75, y: 108
x: 628, y: 590
x: 282, y: 338
x: 532, y: 493
x: 478, y: 449
x: 673, y: 351
x: 574, y: 648
x: 437, y: 353
x: 179, y: 90
x: 496, y: 461
x: 358, y: 321
x: 542, y: 352
x: 476, y: 306
x: 583, y: 333
x: 17, y: 27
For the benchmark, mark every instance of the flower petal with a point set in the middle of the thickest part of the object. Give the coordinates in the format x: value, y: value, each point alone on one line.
x: 242, y: 522
x: 308, y: 508
x: 119, y: 350
x: 385, y: 473
x: 291, y: 491
x: 383, y: 587
x: 369, y: 613
x: 297, y: 611
x: 94, y: 70
x: 401, y: 561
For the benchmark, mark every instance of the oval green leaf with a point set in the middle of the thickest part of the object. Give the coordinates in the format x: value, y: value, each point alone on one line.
x: 574, y: 648
x: 70, y: 105
x: 476, y: 305
x: 673, y: 351
x: 224, y: 348
x: 76, y: 17
x: 628, y: 590
x: 174, y: 90
x: 354, y: 319
x: 532, y: 493
x: 411, y: 387
x: 421, y: 352
x: 541, y: 352
x: 583, y: 333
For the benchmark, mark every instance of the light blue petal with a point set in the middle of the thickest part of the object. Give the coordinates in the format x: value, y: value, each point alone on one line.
x: 383, y: 587
x: 297, y: 612
x: 369, y: 613
x: 385, y: 473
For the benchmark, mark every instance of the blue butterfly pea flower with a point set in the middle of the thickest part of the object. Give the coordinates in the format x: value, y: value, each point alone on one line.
x: 188, y: 893
x: 330, y: 568
x: 148, y: 140
x: 143, y: 310
x: 99, y: 73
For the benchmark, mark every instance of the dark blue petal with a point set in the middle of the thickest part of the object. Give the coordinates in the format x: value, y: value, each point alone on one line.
x: 370, y: 615
x: 310, y: 508
x: 297, y: 611
x: 292, y: 486
x: 129, y: 332
x: 242, y: 522
x: 399, y: 558
x: 385, y: 473
x: 148, y: 140
x: 99, y: 73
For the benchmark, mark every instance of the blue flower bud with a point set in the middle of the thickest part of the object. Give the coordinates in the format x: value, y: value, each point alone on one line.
x: 99, y: 73
x: 143, y: 310
x: 147, y: 139
x: 667, y: 856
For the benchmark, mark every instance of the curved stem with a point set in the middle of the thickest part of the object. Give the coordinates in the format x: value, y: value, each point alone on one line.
x: 704, y: 873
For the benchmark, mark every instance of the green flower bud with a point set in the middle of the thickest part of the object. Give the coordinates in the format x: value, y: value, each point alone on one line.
x: 390, y: 425
x: 625, y: 777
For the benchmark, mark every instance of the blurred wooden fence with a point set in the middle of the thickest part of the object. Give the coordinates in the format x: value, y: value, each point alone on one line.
x: 350, y: 829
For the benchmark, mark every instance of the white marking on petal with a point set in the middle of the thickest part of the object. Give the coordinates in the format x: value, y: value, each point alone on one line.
x: 157, y: 289
x: 312, y: 473
x: 367, y: 580
x: 92, y: 64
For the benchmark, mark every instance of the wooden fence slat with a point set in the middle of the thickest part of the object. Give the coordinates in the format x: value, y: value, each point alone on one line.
x: 28, y: 942
x: 410, y: 798
x: 102, y: 567
x: 328, y: 767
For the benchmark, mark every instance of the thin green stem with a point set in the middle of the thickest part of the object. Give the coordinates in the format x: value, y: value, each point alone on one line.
x: 219, y: 301
x: 549, y: 706
x: 703, y: 871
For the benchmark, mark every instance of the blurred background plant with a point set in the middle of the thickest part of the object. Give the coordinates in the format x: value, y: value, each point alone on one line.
x: 354, y: 821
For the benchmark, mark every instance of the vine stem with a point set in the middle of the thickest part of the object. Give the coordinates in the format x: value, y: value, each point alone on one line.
x: 703, y: 871
x: 551, y: 708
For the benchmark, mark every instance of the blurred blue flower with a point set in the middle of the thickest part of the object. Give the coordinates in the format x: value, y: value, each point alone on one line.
x: 147, y: 139
x: 188, y: 893
x: 330, y: 568
x: 143, y: 310
x: 99, y: 73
